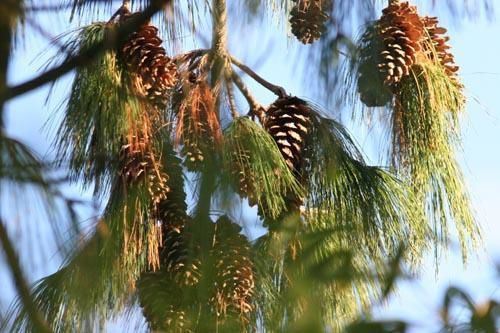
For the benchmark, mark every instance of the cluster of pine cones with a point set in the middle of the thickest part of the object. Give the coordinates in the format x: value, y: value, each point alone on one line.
x: 395, y: 43
x: 154, y: 79
x: 400, y: 39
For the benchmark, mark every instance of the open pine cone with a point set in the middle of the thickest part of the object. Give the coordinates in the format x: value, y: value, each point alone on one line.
x: 439, y: 41
x: 401, y: 30
x: 372, y: 89
x: 176, y: 256
x: 143, y: 55
x: 308, y: 18
x: 234, y: 279
x: 160, y: 300
x: 138, y: 164
x: 288, y: 121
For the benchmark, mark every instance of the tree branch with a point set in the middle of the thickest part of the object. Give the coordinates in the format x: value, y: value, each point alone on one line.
x: 38, y: 321
x: 277, y: 90
x: 255, y: 107
x: 85, y: 57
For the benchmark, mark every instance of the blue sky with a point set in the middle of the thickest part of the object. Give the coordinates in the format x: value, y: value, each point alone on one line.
x: 476, y: 49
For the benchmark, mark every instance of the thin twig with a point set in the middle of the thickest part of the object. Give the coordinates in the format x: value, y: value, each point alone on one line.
x: 85, y: 57
x: 38, y: 321
x: 277, y: 90
x: 255, y: 107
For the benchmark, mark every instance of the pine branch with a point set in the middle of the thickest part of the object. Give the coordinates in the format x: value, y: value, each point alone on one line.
x: 85, y: 57
x: 255, y: 106
x: 277, y: 90
x: 22, y: 286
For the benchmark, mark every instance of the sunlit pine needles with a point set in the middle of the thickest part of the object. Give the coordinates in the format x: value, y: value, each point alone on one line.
x: 250, y: 152
x: 425, y: 125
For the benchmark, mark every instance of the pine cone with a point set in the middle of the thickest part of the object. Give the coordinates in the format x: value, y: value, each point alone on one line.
x: 161, y: 300
x: 175, y: 254
x: 244, y: 184
x: 288, y: 122
x: 138, y: 162
x: 308, y: 18
x: 143, y: 55
x: 371, y: 86
x: 234, y: 279
x: 439, y: 41
x: 177, y: 257
x: 198, y: 128
x: 401, y: 30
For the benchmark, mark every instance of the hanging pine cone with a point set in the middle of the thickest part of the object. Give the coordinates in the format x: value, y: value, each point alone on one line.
x: 401, y: 30
x: 308, y: 18
x: 198, y: 128
x: 234, y: 279
x: 244, y: 184
x: 160, y: 300
x: 143, y: 55
x: 175, y: 254
x: 371, y: 86
x: 138, y: 162
x: 440, y: 48
x: 288, y: 122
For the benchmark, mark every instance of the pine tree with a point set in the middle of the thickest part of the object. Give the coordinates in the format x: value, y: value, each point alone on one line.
x: 153, y: 132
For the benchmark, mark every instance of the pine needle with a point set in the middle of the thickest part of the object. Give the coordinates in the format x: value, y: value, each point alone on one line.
x: 100, y: 113
x: 425, y: 126
x: 251, y: 155
x: 24, y: 175
x: 368, y: 199
x: 329, y: 266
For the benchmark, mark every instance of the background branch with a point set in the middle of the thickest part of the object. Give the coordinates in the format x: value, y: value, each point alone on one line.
x: 20, y: 282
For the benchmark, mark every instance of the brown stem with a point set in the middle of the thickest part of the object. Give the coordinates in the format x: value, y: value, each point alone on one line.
x: 255, y: 107
x: 39, y: 323
x: 277, y: 90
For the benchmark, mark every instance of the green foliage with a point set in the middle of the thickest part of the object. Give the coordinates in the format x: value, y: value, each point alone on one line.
x: 367, y: 200
x: 422, y: 115
x: 251, y: 156
x: 328, y: 263
x: 101, y: 111
x: 310, y: 280
x: 95, y: 282
x: 425, y: 126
